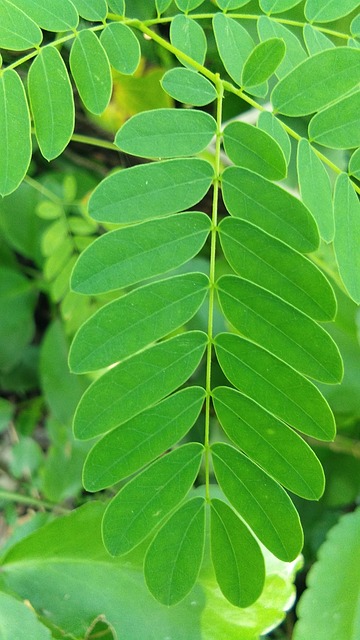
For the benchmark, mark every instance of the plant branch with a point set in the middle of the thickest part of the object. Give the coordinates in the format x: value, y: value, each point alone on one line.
x: 10, y: 496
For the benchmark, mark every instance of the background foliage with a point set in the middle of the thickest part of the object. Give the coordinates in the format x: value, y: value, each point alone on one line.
x: 207, y: 306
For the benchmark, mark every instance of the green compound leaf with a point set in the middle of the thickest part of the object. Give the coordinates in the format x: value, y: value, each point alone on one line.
x: 148, y: 498
x: 172, y: 563
x: 317, y: 81
x: 90, y: 68
x: 188, y: 5
x: 270, y: 124
x: 250, y: 147
x: 117, y: 6
x: 96, y: 12
x: 262, y: 62
x: 236, y: 556
x: 270, y: 263
x: 17, y: 31
x: 228, y: 5
x: 317, y: 11
x: 15, y: 134
x: 151, y: 190
x: 295, y: 53
x: 53, y: 15
x: 281, y: 328
x: 142, y: 439
x: 338, y: 126
x: 188, y: 87
x: 162, y: 5
x: 354, y: 164
x: 277, y: 6
x: 52, y: 103
x: 126, y: 256
x: 339, y: 555
x: 269, y: 442
x: 189, y: 37
x: 166, y: 133
x: 130, y: 323
x: 259, y: 500
x: 347, y: 235
x: 122, y: 47
x: 315, y: 189
x: 137, y: 383
x: 315, y: 40
x: 355, y: 26
x: 15, y: 616
x: 276, y: 211
x: 275, y: 386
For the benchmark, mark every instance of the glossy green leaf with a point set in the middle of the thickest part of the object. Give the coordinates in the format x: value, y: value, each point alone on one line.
x: 338, y: 126
x: 249, y: 195
x: 173, y: 561
x: 166, y: 133
x: 355, y: 26
x: 317, y: 81
x: 127, y: 256
x: 162, y: 5
x: 270, y: 263
x: 15, y: 136
x: 259, y: 500
x: 137, y: 383
x: 188, y: 5
x: 229, y: 5
x: 188, y: 87
x: 354, y: 164
x: 118, y: 6
x: 277, y: 6
x: 295, y: 53
x: 263, y: 61
x: 52, y: 103
x: 90, y: 68
x: 329, y: 608
x: 122, y: 47
x: 315, y: 40
x: 269, y: 442
x: 96, y: 12
x: 315, y: 189
x: 250, y: 147
x: 318, y: 11
x: 151, y: 190
x: 17, y: 31
x: 270, y: 124
x: 189, y: 37
x: 130, y: 323
x: 53, y: 15
x: 236, y: 556
x: 142, y: 439
x: 15, y: 616
x: 275, y: 386
x: 281, y: 328
x: 148, y: 498
x: 347, y: 235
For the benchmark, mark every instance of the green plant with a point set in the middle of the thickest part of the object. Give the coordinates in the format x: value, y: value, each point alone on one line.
x: 211, y: 339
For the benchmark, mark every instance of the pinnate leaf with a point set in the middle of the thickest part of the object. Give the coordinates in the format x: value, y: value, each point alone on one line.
x: 276, y: 211
x: 52, y: 103
x: 96, y: 10
x: 174, y: 558
x: 166, y: 133
x: 188, y: 87
x: 91, y: 71
x: 162, y: 5
x: 269, y: 442
x: 338, y: 126
x: 317, y: 11
x: 259, y: 500
x: 277, y: 6
x: 126, y: 256
x: 15, y: 137
x: 118, y: 6
x: 236, y: 556
x: 188, y: 5
x: 142, y: 439
x: 151, y: 190
x: 17, y: 31
x: 275, y: 386
x: 271, y: 124
x: 130, y: 323
x: 317, y: 81
x: 189, y: 37
x: 234, y: 44
x: 347, y: 235
x: 250, y: 147
x: 137, y: 383
x: 263, y: 61
x: 295, y: 53
x: 148, y: 498
x: 315, y: 40
x: 122, y: 47
x: 53, y: 15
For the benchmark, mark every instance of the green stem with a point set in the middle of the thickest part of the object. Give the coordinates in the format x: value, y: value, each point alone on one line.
x: 220, y: 94
x: 96, y: 142
x: 10, y: 496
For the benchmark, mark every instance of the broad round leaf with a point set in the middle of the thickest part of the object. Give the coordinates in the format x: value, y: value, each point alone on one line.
x: 188, y: 87
x: 90, y: 68
x: 122, y: 47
